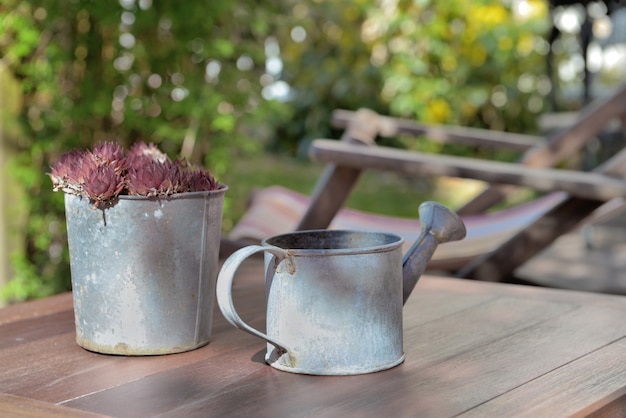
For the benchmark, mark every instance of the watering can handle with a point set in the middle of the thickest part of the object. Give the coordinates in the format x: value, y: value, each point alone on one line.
x: 225, y: 286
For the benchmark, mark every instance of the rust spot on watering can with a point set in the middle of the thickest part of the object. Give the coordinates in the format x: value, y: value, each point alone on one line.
x: 288, y: 263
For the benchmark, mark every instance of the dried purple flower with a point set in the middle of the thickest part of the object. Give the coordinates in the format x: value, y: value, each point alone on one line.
x: 106, y: 172
x: 81, y: 168
x: 141, y: 150
x: 60, y: 171
x: 69, y: 173
x: 201, y: 180
x: 103, y: 184
x: 152, y: 178
x: 111, y: 154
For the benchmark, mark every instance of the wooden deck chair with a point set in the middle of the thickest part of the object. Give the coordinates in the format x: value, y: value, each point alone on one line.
x: 486, y: 231
x: 277, y: 210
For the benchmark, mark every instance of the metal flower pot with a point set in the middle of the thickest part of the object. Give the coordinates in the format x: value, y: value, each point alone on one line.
x: 143, y: 271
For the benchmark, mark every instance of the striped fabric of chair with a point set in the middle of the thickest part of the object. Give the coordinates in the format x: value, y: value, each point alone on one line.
x: 277, y: 210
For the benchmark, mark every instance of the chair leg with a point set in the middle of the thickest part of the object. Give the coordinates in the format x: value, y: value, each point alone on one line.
x: 502, y: 262
x: 333, y: 190
x: 336, y: 183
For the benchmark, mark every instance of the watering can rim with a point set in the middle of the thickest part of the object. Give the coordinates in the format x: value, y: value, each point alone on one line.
x: 394, y: 241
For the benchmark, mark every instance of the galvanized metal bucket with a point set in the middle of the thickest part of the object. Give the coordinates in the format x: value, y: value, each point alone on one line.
x: 143, y: 271
x: 334, y: 298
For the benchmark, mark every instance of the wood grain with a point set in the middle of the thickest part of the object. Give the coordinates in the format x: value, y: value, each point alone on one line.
x: 588, y: 381
x: 391, y: 127
x: 587, y: 185
x: 15, y: 406
x: 472, y: 348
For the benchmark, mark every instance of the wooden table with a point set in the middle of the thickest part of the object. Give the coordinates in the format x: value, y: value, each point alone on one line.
x: 472, y: 348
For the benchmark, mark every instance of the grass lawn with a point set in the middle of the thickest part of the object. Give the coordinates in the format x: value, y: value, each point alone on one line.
x: 377, y: 192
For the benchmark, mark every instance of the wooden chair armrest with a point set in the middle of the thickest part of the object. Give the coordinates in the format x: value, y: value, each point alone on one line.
x: 390, y: 126
x: 590, y: 185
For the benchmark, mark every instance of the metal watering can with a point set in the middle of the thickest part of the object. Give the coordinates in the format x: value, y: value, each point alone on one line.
x: 334, y: 298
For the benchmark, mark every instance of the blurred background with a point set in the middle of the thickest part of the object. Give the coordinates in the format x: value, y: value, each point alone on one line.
x: 242, y: 87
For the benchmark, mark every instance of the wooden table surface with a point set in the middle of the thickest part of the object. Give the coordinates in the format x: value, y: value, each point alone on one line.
x: 472, y: 348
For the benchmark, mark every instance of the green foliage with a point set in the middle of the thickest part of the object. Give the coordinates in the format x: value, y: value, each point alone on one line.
x: 466, y: 63
x: 455, y: 62
x: 185, y: 78
x: 327, y: 66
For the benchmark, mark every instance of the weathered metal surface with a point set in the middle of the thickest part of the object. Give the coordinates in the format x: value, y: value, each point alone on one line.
x: 334, y: 298
x: 438, y: 225
x: 143, y: 272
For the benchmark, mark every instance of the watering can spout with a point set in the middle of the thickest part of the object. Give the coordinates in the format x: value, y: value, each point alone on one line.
x: 438, y: 225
